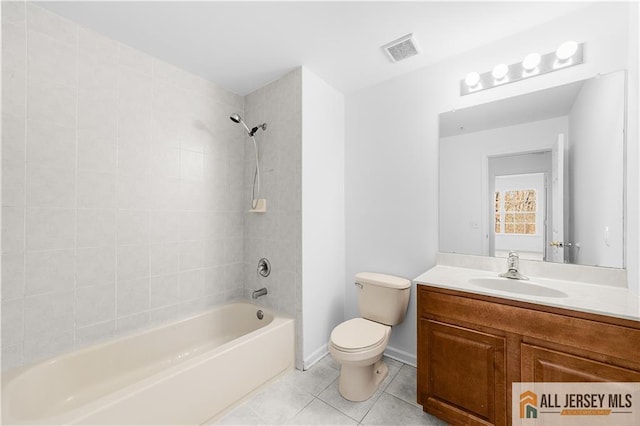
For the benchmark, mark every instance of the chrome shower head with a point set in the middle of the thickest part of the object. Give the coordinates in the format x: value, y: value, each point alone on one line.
x: 237, y: 119
x: 255, y: 193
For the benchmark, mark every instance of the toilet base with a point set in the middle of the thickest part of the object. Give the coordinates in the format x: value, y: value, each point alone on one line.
x: 359, y: 383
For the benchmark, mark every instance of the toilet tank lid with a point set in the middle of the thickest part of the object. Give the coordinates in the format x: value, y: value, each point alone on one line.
x: 382, y: 280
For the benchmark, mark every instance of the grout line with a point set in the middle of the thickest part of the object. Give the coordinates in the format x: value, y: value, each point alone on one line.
x: 154, y: 82
x: 370, y: 408
x: 327, y: 386
x: 316, y: 397
x: 76, y: 182
x: 24, y: 177
x: 288, y: 421
x: 117, y: 195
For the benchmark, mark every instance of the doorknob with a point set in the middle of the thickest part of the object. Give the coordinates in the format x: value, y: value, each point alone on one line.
x: 559, y: 244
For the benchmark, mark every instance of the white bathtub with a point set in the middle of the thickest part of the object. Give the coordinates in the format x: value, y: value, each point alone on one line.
x: 182, y: 373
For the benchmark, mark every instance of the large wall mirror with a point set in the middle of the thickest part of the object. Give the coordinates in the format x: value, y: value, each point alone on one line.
x: 540, y: 173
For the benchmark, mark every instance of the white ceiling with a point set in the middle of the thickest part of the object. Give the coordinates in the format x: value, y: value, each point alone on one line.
x: 244, y: 45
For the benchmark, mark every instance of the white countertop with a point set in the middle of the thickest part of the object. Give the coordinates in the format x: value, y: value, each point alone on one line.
x: 607, y: 300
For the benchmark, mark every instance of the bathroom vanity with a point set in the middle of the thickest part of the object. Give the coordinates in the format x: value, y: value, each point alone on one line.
x: 476, y: 338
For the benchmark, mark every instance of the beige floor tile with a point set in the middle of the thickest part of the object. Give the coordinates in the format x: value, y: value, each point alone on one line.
x: 320, y: 413
x: 312, y: 397
x: 242, y: 415
x: 314, y: 380
x: 404, y: 385
x: 280, y: 401
x: 389, y: 410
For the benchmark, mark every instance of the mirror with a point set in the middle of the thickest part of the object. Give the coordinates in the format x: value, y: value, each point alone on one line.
x: 540, y: 173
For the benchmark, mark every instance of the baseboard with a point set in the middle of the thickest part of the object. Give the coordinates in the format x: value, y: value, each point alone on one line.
x: 391, y: 352
x: 315, y: 356
x: 402, y: 356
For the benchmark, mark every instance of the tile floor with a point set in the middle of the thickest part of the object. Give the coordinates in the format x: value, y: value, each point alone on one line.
x: 312, y: 398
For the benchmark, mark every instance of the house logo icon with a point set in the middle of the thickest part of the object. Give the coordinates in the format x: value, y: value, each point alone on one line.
x: 528, y: 405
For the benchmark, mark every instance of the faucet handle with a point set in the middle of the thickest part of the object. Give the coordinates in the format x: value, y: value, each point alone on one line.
x: 264, y: 267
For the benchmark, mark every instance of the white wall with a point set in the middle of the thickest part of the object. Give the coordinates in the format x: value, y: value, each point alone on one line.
x: 632, y: 212
x: 323, y: 222
x: 596, y: 140
x: 392, y: 146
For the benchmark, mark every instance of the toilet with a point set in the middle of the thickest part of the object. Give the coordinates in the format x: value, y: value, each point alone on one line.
x: 358, y: 344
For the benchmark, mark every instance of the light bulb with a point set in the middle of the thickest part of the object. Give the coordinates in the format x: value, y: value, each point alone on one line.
x: 500, y: 71
x: 472, y: 79
x: 566, y: 50
x: 531, y: 61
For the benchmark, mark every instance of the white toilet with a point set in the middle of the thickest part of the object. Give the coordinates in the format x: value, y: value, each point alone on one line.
x: 358, y: 344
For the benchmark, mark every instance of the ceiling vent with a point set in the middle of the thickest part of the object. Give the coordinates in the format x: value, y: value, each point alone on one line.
x: 402, y: 48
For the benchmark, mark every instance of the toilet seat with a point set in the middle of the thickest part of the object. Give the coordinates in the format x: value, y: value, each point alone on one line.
x: 357, y: 335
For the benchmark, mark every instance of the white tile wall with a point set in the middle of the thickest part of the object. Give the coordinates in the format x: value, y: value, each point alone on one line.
x: 122, y: 197
x: 276, y: 234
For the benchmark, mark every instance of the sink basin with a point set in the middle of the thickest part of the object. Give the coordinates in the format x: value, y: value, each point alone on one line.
x: 517, y: 286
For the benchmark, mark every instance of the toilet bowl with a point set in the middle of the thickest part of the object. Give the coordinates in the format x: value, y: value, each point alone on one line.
x: 358, y: 344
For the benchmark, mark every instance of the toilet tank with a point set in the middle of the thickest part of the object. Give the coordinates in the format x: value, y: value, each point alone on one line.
x: 382, y: 298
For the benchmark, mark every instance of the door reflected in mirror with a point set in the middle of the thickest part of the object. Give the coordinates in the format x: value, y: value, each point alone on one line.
x: 520, y: 214
x: 540, y: 174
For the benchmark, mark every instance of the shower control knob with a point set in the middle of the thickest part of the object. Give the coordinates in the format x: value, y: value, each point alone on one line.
x: 264, y: 267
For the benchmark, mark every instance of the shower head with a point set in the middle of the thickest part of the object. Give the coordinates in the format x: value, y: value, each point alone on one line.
x: 237, y: 119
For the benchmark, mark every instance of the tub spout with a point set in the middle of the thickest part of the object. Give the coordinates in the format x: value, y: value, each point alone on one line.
x: 258, y: 293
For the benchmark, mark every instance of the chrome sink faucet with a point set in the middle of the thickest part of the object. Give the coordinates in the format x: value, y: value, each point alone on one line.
x: 513, y: 263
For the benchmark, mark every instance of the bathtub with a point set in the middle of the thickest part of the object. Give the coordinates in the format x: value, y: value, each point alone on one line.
x: 187, y: 372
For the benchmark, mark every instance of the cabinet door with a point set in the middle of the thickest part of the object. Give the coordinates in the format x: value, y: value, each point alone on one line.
x: 463, y: 374
x: 546, y: 365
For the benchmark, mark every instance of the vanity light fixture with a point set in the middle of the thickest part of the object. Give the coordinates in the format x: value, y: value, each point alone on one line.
x: 568, y: 54
x: 565, y: 53
x: 531, y: 61
x: 499, y: 73
x: 472, y: 79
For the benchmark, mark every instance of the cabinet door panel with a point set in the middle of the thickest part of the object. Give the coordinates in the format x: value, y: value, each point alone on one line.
x: 465, y: 372
x: 546, y: 365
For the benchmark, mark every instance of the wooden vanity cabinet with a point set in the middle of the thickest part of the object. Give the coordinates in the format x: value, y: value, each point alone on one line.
x: 464, y: 373
x: 471, y: 348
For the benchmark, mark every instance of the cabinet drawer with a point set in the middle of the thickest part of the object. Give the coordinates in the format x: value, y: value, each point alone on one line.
x: 607, y: 339
x: 546, y: 365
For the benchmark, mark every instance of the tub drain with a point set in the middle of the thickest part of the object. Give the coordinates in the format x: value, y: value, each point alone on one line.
x: 260, y: 314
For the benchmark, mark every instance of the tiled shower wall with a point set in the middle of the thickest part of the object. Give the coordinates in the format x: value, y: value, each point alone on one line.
x: 276, y: 234
x: 122, y: 189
